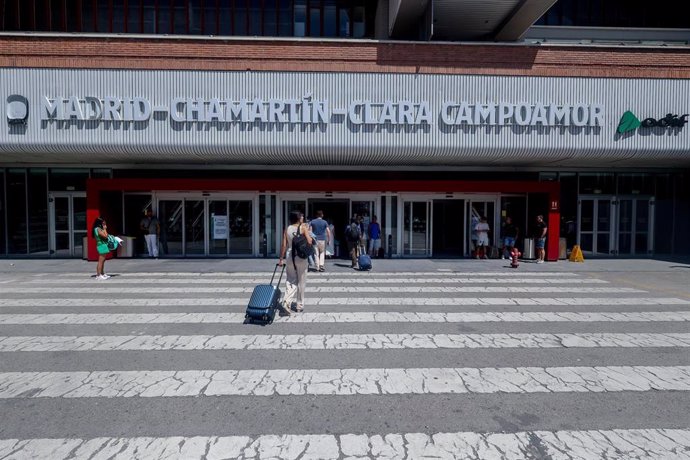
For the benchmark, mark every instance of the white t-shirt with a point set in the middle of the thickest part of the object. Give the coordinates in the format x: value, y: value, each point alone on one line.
x: 482, y: 230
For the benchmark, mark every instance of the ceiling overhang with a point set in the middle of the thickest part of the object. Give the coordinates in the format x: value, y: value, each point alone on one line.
x: 501, y: 20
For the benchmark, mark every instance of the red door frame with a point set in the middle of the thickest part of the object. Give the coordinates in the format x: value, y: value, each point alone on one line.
x: 94, y: 187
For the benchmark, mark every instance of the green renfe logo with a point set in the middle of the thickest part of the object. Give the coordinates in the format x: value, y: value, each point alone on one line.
x: 629, y: 122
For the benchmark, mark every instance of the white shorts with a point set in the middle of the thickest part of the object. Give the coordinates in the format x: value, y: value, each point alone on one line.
x: 483, y: 242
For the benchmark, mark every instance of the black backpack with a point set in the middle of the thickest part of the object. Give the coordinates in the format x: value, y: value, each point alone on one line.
x: 301, y: 247
x: 352, y: 233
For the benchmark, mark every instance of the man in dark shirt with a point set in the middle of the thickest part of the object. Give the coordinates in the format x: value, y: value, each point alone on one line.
x: 323, y: 236
x: 374, y: 237
x: 540, y: 230
x: 510, y: 236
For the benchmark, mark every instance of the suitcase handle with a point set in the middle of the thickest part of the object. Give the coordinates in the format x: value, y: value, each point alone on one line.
x: 281, y: 273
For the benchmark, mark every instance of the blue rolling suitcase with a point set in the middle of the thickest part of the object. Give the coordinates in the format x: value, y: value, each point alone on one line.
x: 264, y: 300
x: 364, y: 261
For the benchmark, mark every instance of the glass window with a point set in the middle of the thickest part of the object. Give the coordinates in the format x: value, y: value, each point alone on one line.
x: 210, y: 18
x: 330, y: 25
x: 344, y: 26
x: 71, y: 19
x: 240, y: 18
x: 164, y: 19
x: 87, y: 20
x: 149, y: 17
x: 67, y: 179
x: 603, y: 183
x: 635, y: 184
x: 103, y: 17
x: 218, y: 227
x: 41, y: 16
x: 270, y: 19
x: 285, y: 18
x: 135, y: 210
x: 134, y: 16
x: 38, y: 210
x: 57, y: 17
x: 194, y: 223
x: 300, y: 24
x: 315, y: 21
x: 16, y: 212
x: 359, y: 25
x: 26, y: 15
x: 118, y: 12
x: 101, y: 173
x: 254, y: 12
x: 194, y: 12
x: 240, y: 222
x: 179, y: 14
x: 225, y: 14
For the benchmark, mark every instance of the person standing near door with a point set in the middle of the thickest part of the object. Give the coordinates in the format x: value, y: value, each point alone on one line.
x: 374, y: 237
x: 482, y: 229
x: 152, y: 230
x: 510, y: 236
x: 323, y: 236
x: 540, y: 230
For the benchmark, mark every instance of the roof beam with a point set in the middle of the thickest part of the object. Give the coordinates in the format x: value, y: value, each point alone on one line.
x: 523, y: 16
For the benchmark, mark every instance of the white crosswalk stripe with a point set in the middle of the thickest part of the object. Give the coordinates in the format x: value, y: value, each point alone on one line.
x: 566, y: 444
x: 339, y: 342
x: 349, y: 317
x: 349, y: 274
x: 314, y: 301
x: 328, y: 289
x: 58, y: 325
x: 314, y: 280
x: 151, y: 384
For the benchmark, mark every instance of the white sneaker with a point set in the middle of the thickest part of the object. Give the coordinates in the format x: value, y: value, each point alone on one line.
x: 540, y: 261
x: 103, y: 277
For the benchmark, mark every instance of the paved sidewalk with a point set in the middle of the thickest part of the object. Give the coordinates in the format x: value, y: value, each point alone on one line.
x: 143, y: 265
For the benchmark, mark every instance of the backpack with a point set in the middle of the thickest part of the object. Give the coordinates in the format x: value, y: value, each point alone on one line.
x: 301, y: 247
x: 352, y: 233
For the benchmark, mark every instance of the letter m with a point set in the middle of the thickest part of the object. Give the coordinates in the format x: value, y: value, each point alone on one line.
x: 53, y: 109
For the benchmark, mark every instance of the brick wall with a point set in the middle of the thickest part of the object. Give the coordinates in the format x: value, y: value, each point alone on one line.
x: 339, y: 56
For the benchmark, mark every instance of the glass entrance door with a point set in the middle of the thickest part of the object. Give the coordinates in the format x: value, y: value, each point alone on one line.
x: 68, y: 227
x: 416, y: 234
x: 596, y: 225
x: 230, y: 227
x: 476, y: 210
x: 634, y: 225
x: 171, y: 218
x: 288, y: 207
x: 200, y: 226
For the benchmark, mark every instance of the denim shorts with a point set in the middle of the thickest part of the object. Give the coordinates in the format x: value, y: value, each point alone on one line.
x: 508, y: 241
x: 540, y: 243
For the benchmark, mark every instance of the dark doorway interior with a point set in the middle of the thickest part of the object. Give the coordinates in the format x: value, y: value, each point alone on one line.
x: 448, y: 228
x: 335, y: 211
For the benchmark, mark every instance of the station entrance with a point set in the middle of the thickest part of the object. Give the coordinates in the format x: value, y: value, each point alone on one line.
x: 246, y: 218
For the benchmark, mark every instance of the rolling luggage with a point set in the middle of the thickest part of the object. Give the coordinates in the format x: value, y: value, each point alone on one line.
x: 364, y: 261
x: 264, y: 300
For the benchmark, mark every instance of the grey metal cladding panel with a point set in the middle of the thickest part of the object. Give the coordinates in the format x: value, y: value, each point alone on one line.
x: 339, y: 143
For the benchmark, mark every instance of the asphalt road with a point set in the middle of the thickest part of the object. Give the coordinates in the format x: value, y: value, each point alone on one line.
x: 428, y: 359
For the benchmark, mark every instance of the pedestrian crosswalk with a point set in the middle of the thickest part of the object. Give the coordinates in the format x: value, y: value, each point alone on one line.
x: 447, y: 364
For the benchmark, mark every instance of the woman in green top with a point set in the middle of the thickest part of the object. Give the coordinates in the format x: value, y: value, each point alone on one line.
x: 100, y: 233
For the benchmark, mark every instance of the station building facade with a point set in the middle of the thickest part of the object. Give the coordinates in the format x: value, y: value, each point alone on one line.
x: 224, y: 136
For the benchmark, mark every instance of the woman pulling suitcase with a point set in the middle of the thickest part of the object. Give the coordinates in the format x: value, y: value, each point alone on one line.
x: 295, y: 281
